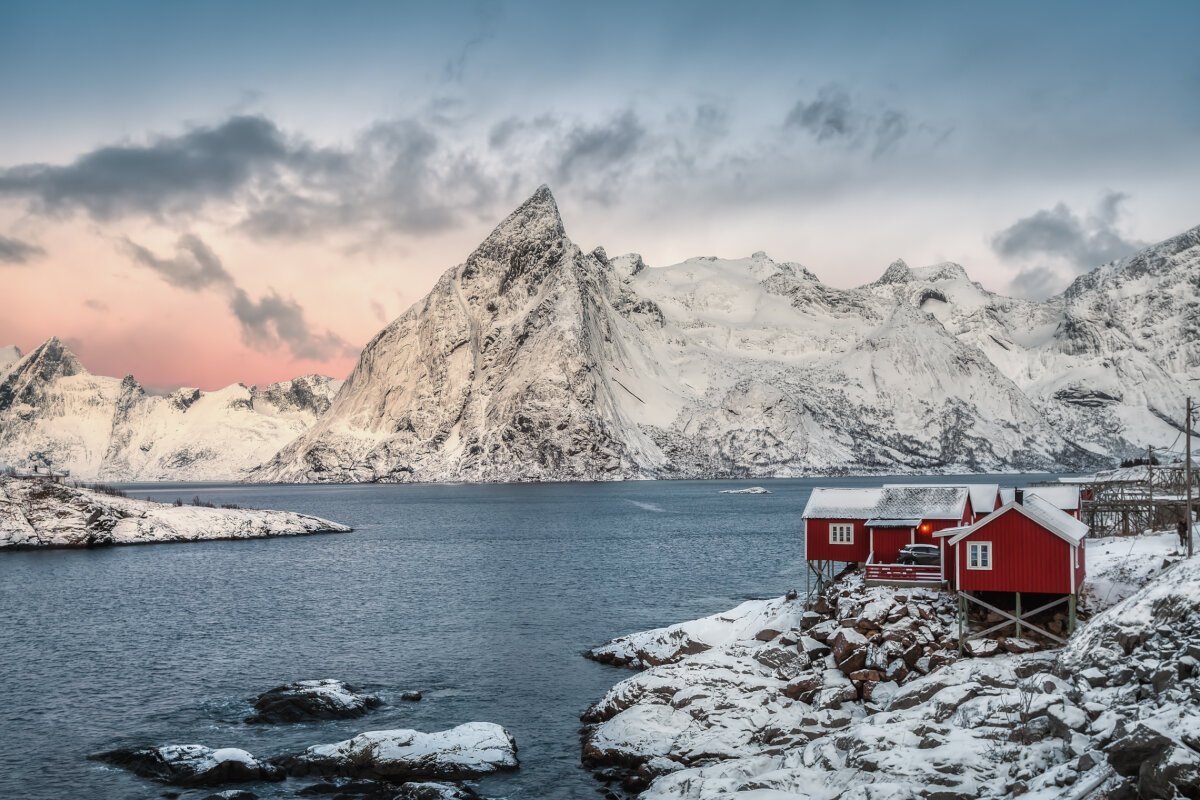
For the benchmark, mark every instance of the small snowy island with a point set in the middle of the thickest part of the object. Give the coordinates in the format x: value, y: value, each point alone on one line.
x: 751, y: 490
x: 37, y: 512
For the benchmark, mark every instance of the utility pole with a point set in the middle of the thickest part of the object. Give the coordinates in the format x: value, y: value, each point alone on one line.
x: 1187, y: 476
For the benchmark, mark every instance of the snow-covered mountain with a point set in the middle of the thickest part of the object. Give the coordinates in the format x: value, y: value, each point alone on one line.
x: 534, y: 360
x: 53, y: 411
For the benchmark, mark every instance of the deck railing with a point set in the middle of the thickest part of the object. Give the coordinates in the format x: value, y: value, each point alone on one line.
x: 913, y: 573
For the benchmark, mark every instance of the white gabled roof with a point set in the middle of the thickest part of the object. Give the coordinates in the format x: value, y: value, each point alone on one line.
x: 1007, y: 495
x: 849, y: 503
x: 1053, y: 519
x: 983, y: 496
x: 1064, y: 497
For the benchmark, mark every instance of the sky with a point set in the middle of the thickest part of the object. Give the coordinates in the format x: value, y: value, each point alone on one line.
x: 204, y: 193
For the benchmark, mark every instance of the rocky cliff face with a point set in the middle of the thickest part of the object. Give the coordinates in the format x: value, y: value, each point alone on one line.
x: 54, y: 412
x: 533, y: 360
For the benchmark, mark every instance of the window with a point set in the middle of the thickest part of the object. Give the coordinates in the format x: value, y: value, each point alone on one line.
x: 979, y: 555
x: 840, y: 533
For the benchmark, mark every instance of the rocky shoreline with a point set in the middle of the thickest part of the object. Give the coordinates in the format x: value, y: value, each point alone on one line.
x: 38, y: 513
x: 865, y: 696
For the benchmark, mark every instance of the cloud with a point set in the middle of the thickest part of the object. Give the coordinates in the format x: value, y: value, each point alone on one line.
x: 827, y: 117
x: 95, y: 305
x: 167, y: 175
x: 833, y: 116
x: 600, y: 147
x: 15, y: 251
x: 194, y: 267
x: 266, y: 323
x: 378, y: 310
x: 1060, y: 232
x: 272, y: 320
x: 1072, y: 243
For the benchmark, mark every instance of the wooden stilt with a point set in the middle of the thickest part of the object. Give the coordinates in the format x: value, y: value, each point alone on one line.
x: 962, y: 609
x: 1018, y: 615
x: 1071, y: 615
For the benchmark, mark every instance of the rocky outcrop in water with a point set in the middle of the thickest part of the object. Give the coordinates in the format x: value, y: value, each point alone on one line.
x: 305, y: 700
x: 467, y: 751
x: 193, y: 765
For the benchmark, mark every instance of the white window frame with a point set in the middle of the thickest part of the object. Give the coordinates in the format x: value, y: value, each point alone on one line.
x: 981, y: 552
x: 841, y: 533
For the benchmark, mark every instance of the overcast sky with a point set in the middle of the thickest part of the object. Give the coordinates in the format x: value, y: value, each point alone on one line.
x: 202, y: 193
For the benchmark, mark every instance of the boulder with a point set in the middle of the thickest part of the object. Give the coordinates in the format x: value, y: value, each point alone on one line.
x: 849, y: 650
x: 411, y: 696
x: 304, y: 700
x: 982, y: 648
x: 467, y: 751
x: 192, y: 765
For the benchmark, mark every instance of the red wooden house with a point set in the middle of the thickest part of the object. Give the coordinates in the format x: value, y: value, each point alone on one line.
x: 1031, y: 546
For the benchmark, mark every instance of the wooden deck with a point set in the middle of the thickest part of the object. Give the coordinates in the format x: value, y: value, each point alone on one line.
x: 902, y: 574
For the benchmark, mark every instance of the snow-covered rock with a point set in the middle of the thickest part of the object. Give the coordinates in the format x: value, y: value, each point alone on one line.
x: 320, y: 699
x: 53, y: 411
x: 467, y: 751
x: 534, y: 360
x: 750, y: 490
x: 38, y: 513
x: 193, y: 765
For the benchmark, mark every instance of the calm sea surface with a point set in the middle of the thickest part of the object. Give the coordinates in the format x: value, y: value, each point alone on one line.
x: 481, y: 596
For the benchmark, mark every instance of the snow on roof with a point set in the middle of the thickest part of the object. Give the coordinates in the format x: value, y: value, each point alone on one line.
x: 1007, y: 495
x: 983, y: 496
x: 858, y: 503
x: 903, y: 501
x: 1064, y: 497
x: 893, y: 523
x: 1053, y: 519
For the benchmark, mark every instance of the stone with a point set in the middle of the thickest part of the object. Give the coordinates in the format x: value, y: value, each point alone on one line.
x: 767, y: 634
x: 470, y: 750
x: 319, y: 699
x: 981, y: 648
x: 411, y: 696
x: 192, y: 765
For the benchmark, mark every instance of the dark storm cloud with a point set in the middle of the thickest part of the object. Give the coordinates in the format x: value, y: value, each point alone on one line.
x: 15, y: 251
x: 1061, y: 233
x: 601, y: 147
x: 194, y: 267
x: 169, y: 174
x: 266, y: 323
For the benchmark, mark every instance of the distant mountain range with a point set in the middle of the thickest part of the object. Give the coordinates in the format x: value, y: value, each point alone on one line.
x: 533, y: 360
x: 54, y: 412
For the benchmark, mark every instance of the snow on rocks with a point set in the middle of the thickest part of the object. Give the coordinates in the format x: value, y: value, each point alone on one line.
x: 193, y: 765
x: 750, y: 490
x: 38, y: 513
x: 319, y: 699
x: 750, y: 719
x: 467, y: 751
x: 664, y: 645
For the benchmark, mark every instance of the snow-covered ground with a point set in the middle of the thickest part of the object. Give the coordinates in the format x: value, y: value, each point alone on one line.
x: 38, y: 513
x: 766, y: 703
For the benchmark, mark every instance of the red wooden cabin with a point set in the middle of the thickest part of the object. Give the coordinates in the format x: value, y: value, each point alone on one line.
x: 1030, y: 547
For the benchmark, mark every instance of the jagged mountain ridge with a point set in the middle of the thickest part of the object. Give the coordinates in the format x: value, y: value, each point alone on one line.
x: 54, y: 412
x: 534, y: 360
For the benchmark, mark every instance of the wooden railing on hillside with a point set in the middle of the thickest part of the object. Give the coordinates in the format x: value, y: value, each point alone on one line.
x: 906, y: 573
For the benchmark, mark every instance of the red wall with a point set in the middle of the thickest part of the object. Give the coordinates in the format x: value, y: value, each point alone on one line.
x: 818, y: 548
x: 1025, y: 558
x: 888, y: 542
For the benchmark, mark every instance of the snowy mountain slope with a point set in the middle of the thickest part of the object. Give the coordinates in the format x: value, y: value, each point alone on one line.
x: 9, y: 355
x: 500, y: 373
x: 53, y: 411
x: 533, y: 360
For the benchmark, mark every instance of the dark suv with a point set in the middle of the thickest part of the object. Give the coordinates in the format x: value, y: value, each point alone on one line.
x: 919, y: 554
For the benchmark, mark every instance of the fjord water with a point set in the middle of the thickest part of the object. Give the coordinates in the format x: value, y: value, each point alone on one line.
x: 481, y: 596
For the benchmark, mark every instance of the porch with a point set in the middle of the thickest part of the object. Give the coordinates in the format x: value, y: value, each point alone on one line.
x: 881, y: 574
